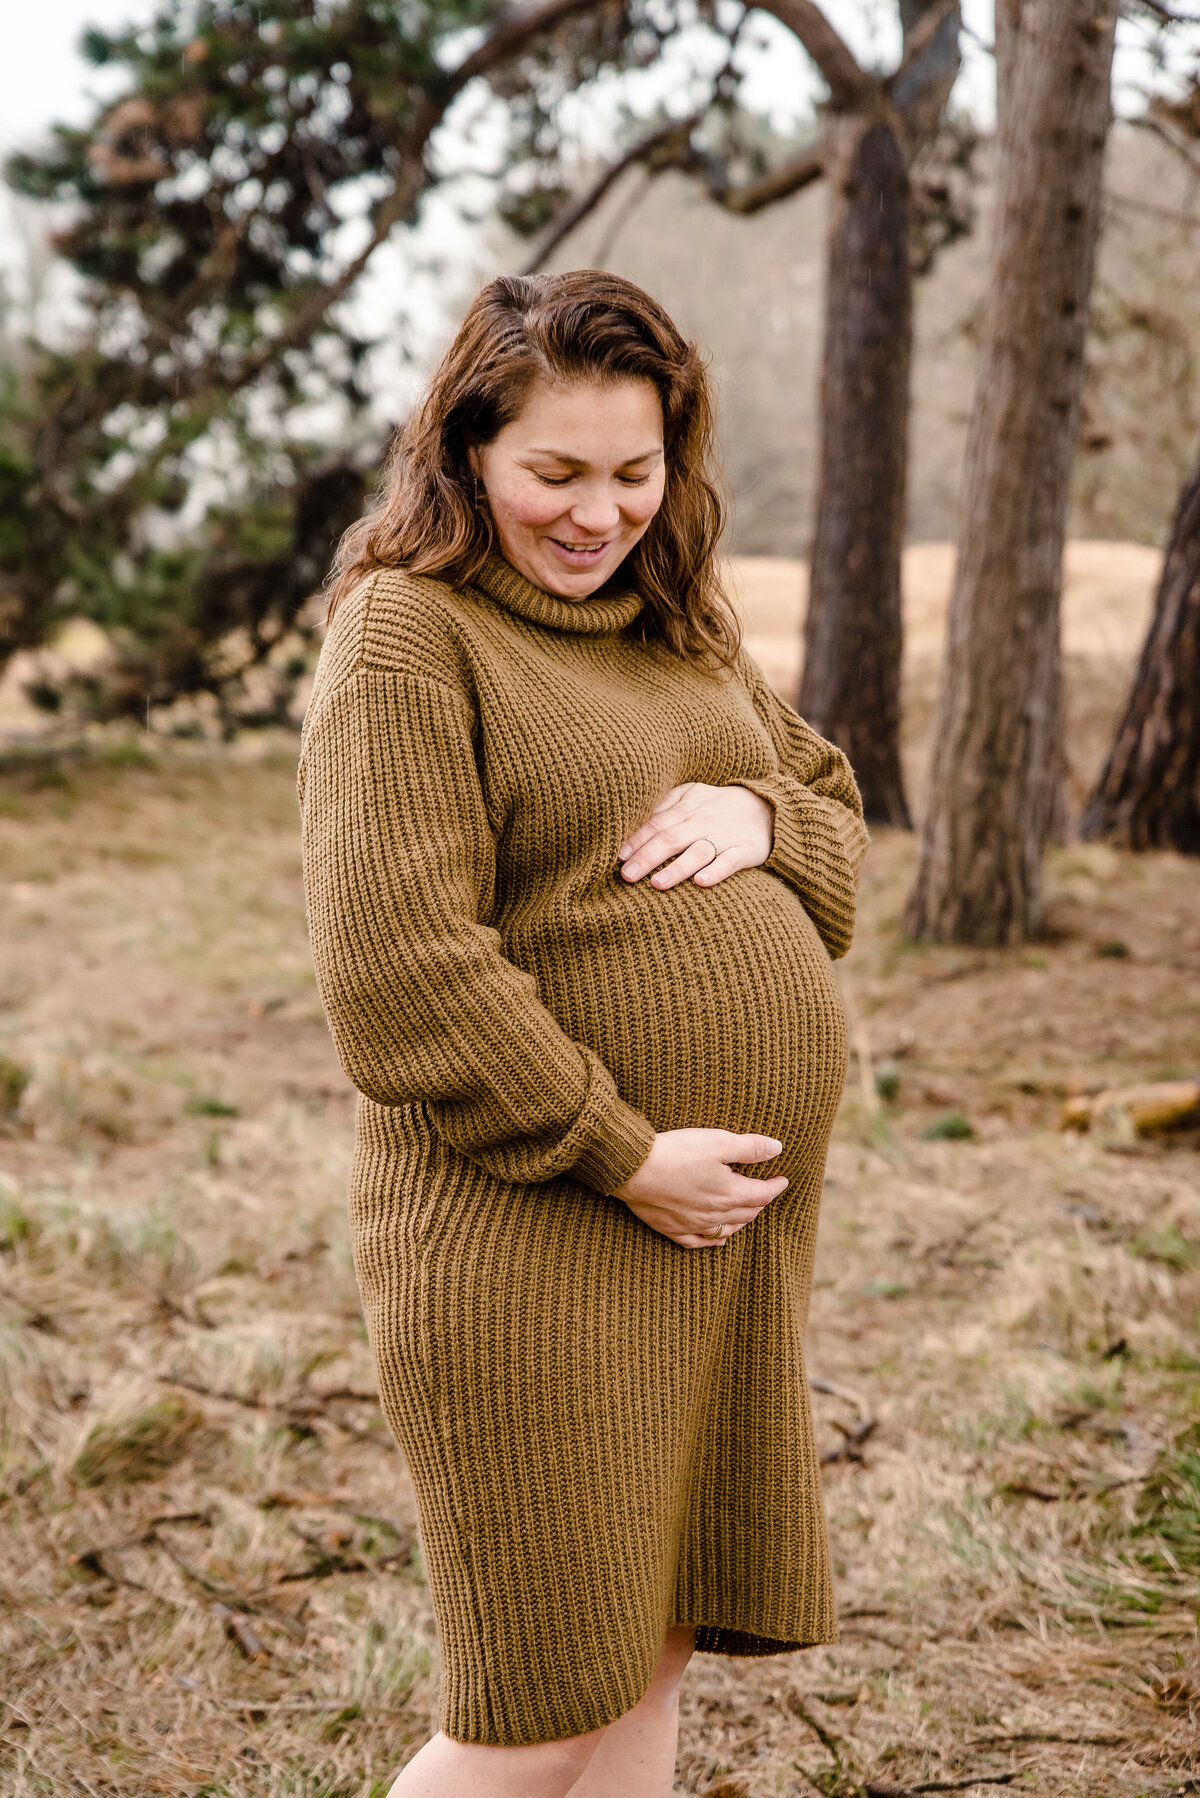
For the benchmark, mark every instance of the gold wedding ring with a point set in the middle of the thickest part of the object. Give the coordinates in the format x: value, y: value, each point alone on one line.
x: 718, y: 1234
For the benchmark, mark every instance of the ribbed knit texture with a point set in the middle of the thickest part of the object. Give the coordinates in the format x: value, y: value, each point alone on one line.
x: 607, y: 1433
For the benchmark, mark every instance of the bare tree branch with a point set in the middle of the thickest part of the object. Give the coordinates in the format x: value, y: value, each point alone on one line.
x: 1147, y: 122
x: 578, y: 208
x: 921, y: 85
x: 1166, y: 14
x: 919, y: 37
x: 848, y: 82
x: 789, y: 178
x: 512, y: 31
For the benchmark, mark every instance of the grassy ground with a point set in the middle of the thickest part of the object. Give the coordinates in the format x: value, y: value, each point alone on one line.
x: 209, y: 1577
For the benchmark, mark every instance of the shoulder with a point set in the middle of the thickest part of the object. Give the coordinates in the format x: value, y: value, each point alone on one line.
x: 747, y: 670
x: 396, y: 623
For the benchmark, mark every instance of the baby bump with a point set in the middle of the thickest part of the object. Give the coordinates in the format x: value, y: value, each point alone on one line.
x: 714, y: 1007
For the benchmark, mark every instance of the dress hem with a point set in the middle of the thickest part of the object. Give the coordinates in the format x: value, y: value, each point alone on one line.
x: 711, y: 1638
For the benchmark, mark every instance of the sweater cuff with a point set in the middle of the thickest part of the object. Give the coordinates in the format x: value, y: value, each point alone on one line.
x: 806, y: 822
x: 790, y: 842
x: 618, y: 1146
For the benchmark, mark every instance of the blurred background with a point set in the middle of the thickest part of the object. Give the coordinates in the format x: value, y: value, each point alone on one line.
x: 944, y: 262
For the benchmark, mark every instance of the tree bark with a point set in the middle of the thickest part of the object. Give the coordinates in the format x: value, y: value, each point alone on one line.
x: 1148, y: 796
x: 850, y: 690
x: 1008, y: 34
x: 995, y: 787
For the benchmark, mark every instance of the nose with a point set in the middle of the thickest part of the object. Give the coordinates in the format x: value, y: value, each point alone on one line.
x: 596, y: 511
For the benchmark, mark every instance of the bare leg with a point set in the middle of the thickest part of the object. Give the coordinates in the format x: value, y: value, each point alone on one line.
x: 632, y: 1758
x: 636, y: 1755
x: 449, y: 1769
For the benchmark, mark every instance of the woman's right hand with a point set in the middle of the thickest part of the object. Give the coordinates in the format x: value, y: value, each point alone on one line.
x: 685, y: 1188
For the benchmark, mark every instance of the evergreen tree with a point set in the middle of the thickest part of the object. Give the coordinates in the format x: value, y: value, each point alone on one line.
x: 206, y: 210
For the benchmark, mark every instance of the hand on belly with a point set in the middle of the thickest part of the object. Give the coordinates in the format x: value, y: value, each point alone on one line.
x: 710, y: 832
x: 686, y: 1190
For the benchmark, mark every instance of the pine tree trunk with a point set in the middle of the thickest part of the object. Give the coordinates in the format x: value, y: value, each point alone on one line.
x: 1148, y: 796
x: 850, y: 690
x: 996, y: 781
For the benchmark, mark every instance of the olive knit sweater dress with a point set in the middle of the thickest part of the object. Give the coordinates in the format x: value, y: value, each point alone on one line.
x: 607, y: 1433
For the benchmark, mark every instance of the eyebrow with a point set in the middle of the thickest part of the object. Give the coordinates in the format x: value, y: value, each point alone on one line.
x: 575, y: 462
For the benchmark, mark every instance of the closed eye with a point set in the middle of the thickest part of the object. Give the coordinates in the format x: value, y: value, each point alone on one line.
x: 626, y: 480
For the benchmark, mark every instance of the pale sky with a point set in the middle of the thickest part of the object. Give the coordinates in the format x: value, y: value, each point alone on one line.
x: 43, y: 79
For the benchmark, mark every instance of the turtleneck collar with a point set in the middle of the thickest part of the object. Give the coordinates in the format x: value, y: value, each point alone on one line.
x: 597, y: 615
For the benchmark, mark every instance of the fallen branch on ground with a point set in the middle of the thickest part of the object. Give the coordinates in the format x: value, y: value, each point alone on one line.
x: 829, y: 1742
x: 239, y: 1629
x: 945, y: 1248
x: 887, y: 1790
x: 853, y: 1441
x: 1039, y: 1735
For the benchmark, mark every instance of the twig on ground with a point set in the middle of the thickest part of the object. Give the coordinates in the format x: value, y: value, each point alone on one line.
x: 887, y: 1790
x: 227, y: 1595
x: 851, y: 1447
x: 853, y: 1441
x: 239, y: 1629
x: 298, y: 1413
x: 332, y: 1560
x: 828, y: 1388
x: 302, y: 1707
x: 1040, y: 1735
x: 945, y: 1248
x: 93, y: 1561
x: 830, y: 1743
x: 1022, y: 1489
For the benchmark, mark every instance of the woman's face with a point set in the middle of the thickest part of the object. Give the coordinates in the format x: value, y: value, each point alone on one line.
x: 574, y: 481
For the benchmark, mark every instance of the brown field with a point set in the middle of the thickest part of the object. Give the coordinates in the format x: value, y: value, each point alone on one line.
x: 210, y: 1581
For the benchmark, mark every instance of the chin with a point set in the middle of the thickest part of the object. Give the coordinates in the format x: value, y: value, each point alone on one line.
x: 574, y: 586
x: 578, y: 583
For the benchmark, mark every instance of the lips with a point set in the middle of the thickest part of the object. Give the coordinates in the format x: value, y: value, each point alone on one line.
x: 580, y: 555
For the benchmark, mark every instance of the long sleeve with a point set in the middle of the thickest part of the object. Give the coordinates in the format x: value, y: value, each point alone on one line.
x: 399, y: 871
x: 820, y: 838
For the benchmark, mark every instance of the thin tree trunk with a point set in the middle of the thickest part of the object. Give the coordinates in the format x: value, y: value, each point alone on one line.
x: 995, y: 786
x: 1148, y: 796
x: 850, y: 690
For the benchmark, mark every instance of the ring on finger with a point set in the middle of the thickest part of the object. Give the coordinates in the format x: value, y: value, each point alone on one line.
x: 719, y: 1234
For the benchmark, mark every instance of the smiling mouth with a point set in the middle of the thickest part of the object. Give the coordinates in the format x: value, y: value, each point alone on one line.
x: 580, y: 549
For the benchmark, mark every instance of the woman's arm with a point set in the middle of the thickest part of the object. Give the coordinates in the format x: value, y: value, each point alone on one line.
x: 399, y: 872
x: 820, y: 838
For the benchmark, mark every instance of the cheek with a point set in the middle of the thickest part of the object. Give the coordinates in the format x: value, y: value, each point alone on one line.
x: 527, y: 507
x: 643, y: 503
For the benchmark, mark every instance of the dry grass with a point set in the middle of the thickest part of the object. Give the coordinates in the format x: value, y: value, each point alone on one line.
x: 209, y: 1578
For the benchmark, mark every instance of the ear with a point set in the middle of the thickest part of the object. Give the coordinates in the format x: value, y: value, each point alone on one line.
x: 473, y: 459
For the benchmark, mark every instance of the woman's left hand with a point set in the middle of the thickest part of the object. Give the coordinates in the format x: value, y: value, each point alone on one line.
x: 710, y: 832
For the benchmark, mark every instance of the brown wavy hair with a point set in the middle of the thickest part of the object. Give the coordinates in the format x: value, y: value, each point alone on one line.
x: 430, y: 515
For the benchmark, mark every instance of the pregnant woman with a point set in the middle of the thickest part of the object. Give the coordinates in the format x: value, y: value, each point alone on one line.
x: 574, y: 878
